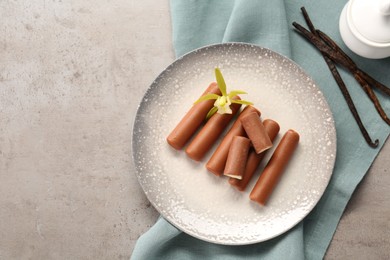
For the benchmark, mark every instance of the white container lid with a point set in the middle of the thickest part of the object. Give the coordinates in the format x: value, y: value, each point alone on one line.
x: 370, y: 19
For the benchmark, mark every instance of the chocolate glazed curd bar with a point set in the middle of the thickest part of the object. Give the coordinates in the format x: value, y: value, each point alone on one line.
x: 216, y: 163
x: 210, y: 132
x: 192, y: 120
x: 275, y: 168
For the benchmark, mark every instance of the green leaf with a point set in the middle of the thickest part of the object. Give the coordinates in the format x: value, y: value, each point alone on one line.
x: 235, y: 93
x: 243, y: 102
x: 220, y: 81
x: 211, y: 112
x: 206, y: 97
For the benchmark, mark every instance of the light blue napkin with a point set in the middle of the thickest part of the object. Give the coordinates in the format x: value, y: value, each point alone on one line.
x: 268, y: 24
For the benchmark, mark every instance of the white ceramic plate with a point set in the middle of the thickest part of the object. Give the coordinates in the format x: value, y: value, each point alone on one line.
x: 206, y: 206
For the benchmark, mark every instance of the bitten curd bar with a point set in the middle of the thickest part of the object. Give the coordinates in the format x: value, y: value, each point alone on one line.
x: 254, y: 159
x: 237, y: 157
x: 216, y: 163
x: 255, y: 130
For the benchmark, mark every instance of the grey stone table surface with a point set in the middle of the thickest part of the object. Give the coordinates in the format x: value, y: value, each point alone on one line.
x: 71, y: 76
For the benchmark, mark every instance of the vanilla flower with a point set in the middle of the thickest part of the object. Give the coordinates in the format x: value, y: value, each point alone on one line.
x: 222, y: 103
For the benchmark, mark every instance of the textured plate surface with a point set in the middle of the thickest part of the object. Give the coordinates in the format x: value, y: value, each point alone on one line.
x: 206, y: 206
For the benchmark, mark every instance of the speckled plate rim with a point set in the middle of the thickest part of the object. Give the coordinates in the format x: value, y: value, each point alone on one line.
x: 332, y: 133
